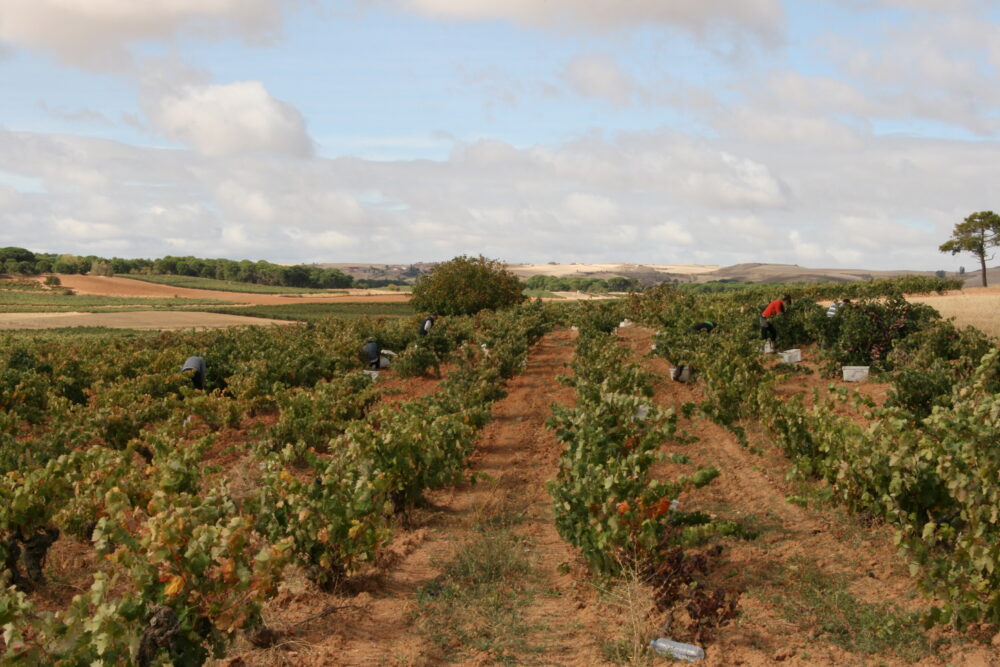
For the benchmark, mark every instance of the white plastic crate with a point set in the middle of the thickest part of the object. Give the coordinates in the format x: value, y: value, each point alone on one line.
x: 855, y: 373
x: 792, y: 356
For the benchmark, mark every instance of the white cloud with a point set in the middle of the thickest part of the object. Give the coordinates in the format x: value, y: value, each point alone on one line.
x: 599, y: 76
x: 934, y: 5
x: 808, y: 252
x: 8, y: 197
x: 627, y: 197
x: 82, y: 115
x: 750, y: 226
x: 242, y: 203
x: 671, y: 233
x: 939, y: 68
x: 231, y: 119
x: 97, y: 34
x: 592, y: 209
x: 762, y: 18
x: 80, y: 230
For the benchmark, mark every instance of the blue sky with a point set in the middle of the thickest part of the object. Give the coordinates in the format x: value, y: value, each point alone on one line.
x: 852, y: 134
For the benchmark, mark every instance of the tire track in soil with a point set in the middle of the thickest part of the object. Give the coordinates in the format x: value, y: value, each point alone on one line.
x: 754, y: 485
x: 519, y: 455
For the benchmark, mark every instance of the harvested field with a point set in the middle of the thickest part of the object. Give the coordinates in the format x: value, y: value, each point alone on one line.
x: 974, y: 306
x: 100, y: 285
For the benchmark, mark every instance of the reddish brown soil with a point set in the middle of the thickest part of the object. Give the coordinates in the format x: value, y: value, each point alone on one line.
x: 159, y: 320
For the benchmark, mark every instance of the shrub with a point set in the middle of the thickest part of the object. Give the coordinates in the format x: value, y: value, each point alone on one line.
x: 467, y: 285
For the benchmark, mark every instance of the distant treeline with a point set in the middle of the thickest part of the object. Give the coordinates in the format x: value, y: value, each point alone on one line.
x: 19, y: 260
x: 556, y: 284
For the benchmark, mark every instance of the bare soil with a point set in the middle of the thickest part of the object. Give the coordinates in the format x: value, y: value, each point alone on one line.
x: 105, y: 286
x: 133, y: 319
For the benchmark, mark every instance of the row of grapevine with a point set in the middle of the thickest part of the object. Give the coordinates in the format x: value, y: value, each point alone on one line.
x: 606, y: 503
x: 932, y: 476
x: 926, y: 461
x: 185, y: 558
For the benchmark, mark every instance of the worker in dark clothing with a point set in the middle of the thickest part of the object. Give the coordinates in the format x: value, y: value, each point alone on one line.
x: 706, y: 327
x: 370, y: 354
x: 776, y: 307
x: 425, y: 326
x: 195, y: 366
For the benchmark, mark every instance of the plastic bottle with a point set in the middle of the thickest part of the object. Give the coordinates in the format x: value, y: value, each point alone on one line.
x: 678, y: 650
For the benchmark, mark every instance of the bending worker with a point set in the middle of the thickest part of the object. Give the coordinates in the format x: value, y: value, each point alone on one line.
x: 370, y: 353
x: 196, y: 367
x: 425, y: 326
x: 767, y: 330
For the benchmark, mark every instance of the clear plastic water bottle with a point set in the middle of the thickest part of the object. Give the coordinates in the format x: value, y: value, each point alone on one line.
x: 678, y: 650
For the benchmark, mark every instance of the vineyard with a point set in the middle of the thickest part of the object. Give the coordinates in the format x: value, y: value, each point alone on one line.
x: 147, y: 522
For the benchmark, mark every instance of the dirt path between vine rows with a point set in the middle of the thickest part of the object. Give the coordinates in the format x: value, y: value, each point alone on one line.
x: 774, y: 625
x: 560, y: 617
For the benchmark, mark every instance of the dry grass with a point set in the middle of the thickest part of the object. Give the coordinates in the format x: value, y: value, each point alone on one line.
x: 977, y: 307
x: 629, y: 602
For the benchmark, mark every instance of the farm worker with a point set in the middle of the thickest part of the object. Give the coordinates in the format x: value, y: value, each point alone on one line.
x: 425, y: 326
x: 836, y: 306
x: 776, y: 307
x: 195, y: 366
x: 705, y: 327
x: 369, y: 352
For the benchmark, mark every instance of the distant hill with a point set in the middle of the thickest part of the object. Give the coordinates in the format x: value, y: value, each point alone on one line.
x: 974, y: 278
x: 399, y: 273
x: 649, y: 274
x: 793, y: 273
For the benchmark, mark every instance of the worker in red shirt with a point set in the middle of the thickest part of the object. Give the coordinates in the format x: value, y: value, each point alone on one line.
x: 767, y: 331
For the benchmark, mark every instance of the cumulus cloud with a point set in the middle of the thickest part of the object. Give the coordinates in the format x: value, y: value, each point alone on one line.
x: 8, y: 197
x: 230, y: 119
x: 671, y: 233
x: 82, y: 115
x: 592, y: 209
x: 599, y: 76
x: 79, y: 230
x: 928, y: 67
x: 628, y: 196
x: 931, y: 5
x: 97, y: 34
x: 762, y: 18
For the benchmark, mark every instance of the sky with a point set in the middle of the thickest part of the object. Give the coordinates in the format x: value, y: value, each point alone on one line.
x: 849, y: 133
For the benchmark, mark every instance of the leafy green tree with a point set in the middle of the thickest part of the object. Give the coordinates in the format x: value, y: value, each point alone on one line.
x: 976, y: 234
x: 16, y: 254
x: 101, y: 268
x: 466, y: 285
